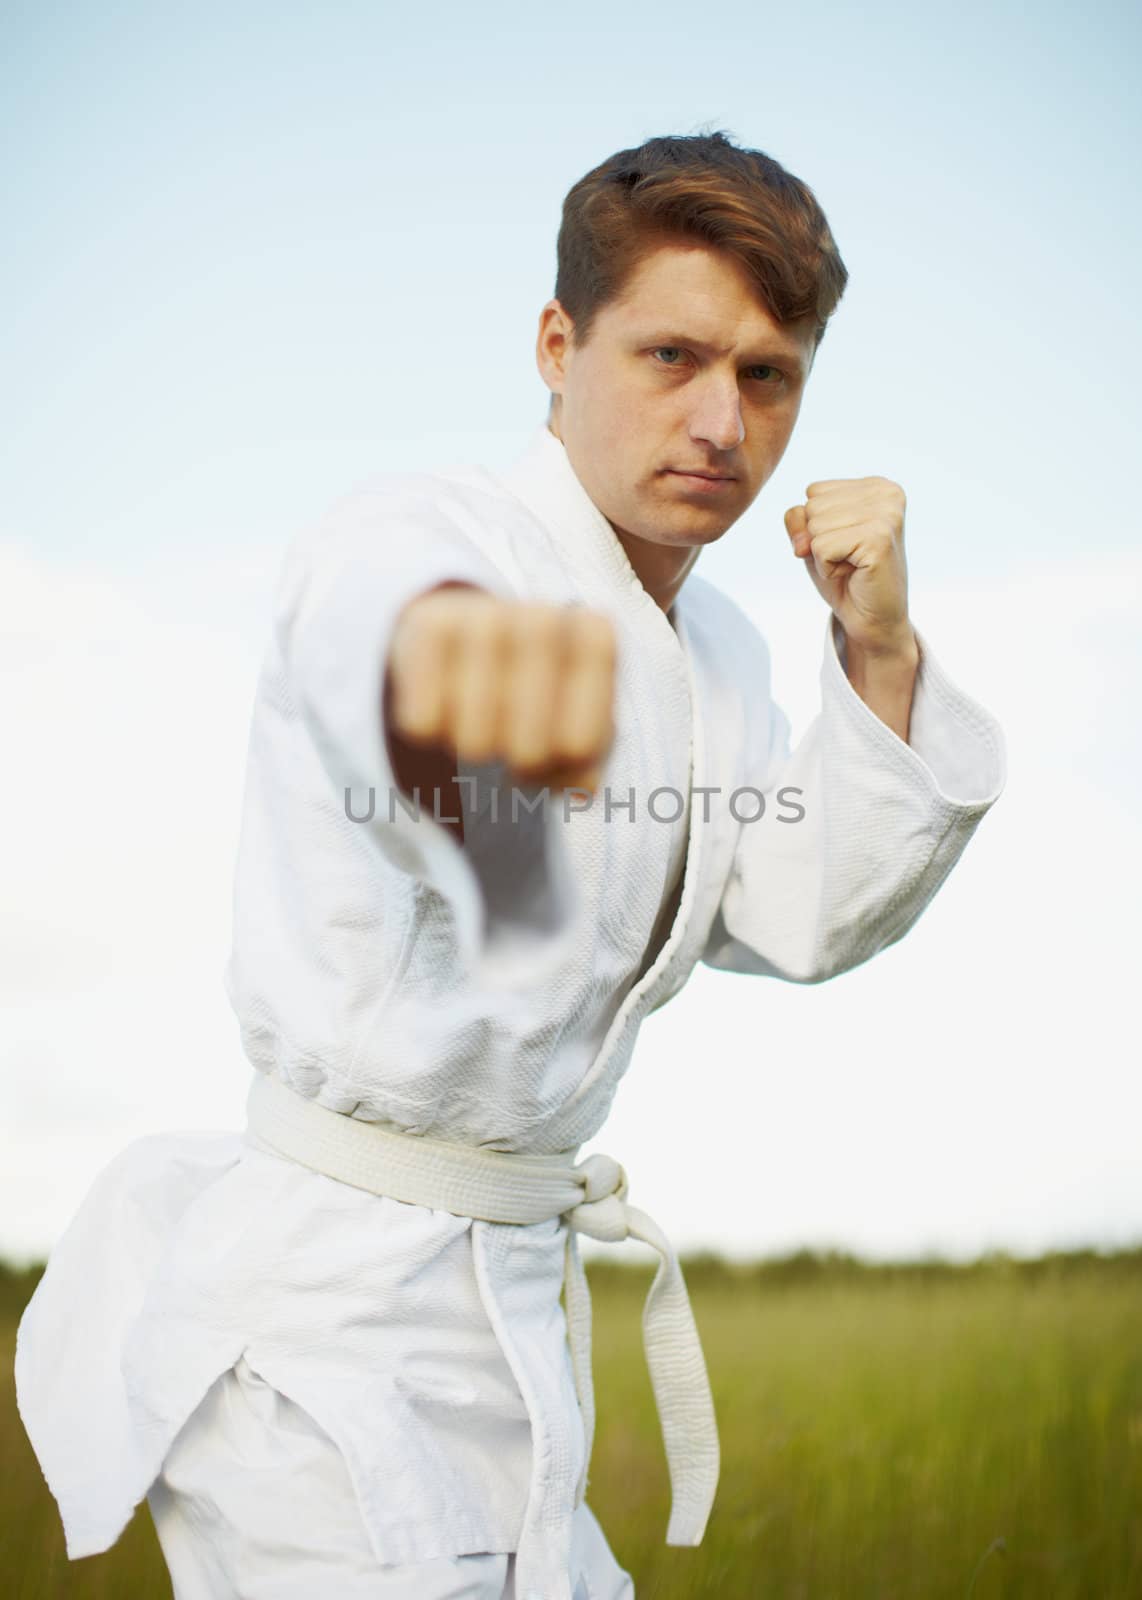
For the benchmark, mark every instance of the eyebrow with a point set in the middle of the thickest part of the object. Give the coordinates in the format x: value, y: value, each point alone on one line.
x: 791, y: 358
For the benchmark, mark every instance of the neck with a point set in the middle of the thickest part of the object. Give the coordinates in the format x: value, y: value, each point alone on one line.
x: 661, y: 569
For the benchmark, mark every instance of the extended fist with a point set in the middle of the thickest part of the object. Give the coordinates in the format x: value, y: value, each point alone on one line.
x: 520, y: 681
x: 850, y: 532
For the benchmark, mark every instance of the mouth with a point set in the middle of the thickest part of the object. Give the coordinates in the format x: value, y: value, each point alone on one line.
x: 703, y: 482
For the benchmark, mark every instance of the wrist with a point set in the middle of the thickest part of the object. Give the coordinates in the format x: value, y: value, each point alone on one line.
x: 884, y: 677
x: 899, y: 648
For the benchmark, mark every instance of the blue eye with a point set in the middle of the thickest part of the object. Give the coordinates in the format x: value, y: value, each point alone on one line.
x: 676, y: 350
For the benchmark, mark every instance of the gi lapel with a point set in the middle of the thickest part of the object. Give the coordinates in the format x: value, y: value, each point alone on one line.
x: 544, y: 480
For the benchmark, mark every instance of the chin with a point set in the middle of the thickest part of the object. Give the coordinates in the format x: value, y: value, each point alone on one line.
x: 703, y: 520
x: 695, y: 533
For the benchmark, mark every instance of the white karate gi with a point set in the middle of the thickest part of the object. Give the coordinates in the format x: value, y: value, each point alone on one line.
x: 489, y: 994
x: 255, y: 1502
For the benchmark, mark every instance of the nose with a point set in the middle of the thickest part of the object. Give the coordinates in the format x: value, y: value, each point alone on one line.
x: 717, y: 417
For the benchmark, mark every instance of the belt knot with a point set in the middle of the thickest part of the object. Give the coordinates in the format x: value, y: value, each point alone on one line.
x: 602, y: 1213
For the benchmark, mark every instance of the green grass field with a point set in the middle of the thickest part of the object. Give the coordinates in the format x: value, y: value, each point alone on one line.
x: 898, y: 1433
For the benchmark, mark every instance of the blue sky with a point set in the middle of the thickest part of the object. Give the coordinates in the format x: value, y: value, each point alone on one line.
x: 256, y: 253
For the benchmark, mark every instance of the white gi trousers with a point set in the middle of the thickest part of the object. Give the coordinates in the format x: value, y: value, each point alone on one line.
x: 254, y: 1502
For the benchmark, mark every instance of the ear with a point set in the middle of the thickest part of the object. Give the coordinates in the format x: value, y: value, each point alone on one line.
x: 552, y: 345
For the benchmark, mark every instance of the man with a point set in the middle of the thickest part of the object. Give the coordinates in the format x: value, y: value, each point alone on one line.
x: 331, y: 1351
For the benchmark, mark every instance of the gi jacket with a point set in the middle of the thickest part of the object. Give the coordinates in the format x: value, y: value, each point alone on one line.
x: 490, y: 993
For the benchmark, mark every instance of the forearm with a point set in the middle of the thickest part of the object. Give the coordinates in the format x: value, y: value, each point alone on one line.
x: 885, y: 680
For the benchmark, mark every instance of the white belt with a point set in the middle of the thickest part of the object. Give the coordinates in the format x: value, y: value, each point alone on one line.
x: 501, y: 1186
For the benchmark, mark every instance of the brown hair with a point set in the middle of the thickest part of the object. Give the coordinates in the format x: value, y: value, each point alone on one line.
x: 697, y: 187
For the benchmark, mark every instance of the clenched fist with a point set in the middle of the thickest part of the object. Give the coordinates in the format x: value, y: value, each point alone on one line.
x: 850, y: 533
x: 485, y: 679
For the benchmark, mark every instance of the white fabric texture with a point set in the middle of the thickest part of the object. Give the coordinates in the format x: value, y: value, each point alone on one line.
x: 254, y: 1502
x: 489, y: 995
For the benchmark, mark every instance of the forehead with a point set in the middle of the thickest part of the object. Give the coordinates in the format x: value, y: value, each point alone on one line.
x: 705, y: 294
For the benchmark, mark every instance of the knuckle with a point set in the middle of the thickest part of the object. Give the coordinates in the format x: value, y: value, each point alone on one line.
x: 532, y: 621
x: 434, y: 622
x: 597, y: 636
x: 481, y: 630
x: 538, y: 638
x: 469, y: 684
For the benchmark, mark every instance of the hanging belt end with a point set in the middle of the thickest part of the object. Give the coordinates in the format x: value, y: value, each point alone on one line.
x: 687, y: 1527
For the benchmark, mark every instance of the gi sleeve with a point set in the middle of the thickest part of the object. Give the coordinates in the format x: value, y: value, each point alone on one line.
x: 883, y: 822
x: 341, y: 589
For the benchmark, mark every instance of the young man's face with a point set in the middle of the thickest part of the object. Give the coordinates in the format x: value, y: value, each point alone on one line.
x: 686, y: 372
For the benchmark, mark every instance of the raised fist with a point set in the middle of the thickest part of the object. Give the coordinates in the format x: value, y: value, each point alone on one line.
x: 486, y: 679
